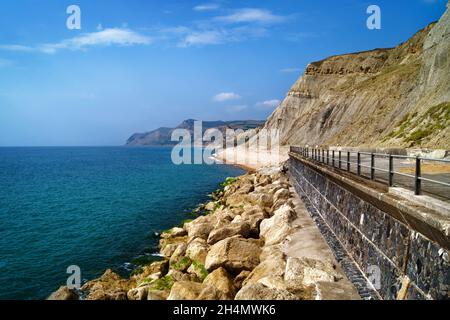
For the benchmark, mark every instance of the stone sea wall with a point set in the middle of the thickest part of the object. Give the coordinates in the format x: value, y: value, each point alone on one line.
x: 233, y: 250
x: 400, y: 262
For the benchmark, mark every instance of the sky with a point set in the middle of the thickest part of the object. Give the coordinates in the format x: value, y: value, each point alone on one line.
x: 138, y: 65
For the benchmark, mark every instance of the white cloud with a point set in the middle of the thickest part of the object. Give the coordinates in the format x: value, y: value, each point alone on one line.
x: 207, y: 7
x: 226, y: 96
x: 237, y: 108
x: 106, y: 37
x: 202, y: 38
x: 269, y: 103
x: 290, y: 70
x: 251, y: 15
x: 16, y: 47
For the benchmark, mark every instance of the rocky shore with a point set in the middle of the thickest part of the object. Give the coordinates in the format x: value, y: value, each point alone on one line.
x: 236, y: 250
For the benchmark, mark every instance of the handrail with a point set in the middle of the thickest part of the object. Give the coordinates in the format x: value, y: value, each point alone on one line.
x: 336, y: 159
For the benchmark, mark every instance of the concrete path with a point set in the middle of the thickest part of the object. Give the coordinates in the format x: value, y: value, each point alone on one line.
x: 307, y: 242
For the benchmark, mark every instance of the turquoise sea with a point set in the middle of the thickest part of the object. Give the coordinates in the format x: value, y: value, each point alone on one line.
x: 97, y: 208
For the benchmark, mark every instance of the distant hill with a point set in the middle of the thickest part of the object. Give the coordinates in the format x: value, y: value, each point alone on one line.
x: 162, y: 136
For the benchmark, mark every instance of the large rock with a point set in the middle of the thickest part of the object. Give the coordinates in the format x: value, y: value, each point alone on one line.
x: 240, y: 278
x: 277, y: 228
x: 222, y: 282
x: 185, y: 290
x: 173, y: 233
x: 63, y: 293
x: 269, y: 267
x: 197, y: 250
x: 301, y: 273
x: 236, y: 200
x: 234, y: 254
x: 178, y: 254
x: 281, y: 194
x: 110, y: 286
x: 263, y: 200
x: 258, y: 291
x: 158, y: 267
x: 228, y: 231
x: 169, y: 245
x: 198, y: 229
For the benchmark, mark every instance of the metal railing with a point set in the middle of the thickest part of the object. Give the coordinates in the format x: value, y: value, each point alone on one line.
x: 343, y: 160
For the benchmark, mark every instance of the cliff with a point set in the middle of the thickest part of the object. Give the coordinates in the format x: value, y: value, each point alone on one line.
x: 398, y: 97
x: 162, y: 136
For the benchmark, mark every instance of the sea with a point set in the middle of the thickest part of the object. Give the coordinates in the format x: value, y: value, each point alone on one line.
x: 91, y: 207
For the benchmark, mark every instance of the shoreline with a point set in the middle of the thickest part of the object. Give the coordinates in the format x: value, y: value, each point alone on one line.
x: 233, y: 250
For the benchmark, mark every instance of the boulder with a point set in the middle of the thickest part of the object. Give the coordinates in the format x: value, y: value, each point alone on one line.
x: 301, y: 273
x: 236, y: 200
x: 273, y: 282
x: 277, y: 228
x: 234, y: 254
x: 281, y: 194
x: 263, y: 200
x: 181, y: 276
x: 210, y: 293
x: 268, y: 267
x: 178, y: 254
x: 157, y: 295
x: 198, y: 229
x: 240, y: 278
x: 110, y: 286
x: 210, y: 206
x: 174, y: 233
x: 197, y: 250
x: 139, y: 293
x: 169, y: 245
x: 158, y: 267
x: 221, y: 280
x: 64, y: 293
x: 185, y: 290
x: 228, y: 231
x: 258, y: 291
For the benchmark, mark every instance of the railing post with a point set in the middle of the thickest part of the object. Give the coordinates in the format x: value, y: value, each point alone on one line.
x: 328, y: 157
x: 323, y: 156
x: 340, y: 159
x: 418, y: 189
x: 372, y: 166
x: 391, y: 170
x: 333, y: 157
x: 348, y: 161
x: 359, y: 164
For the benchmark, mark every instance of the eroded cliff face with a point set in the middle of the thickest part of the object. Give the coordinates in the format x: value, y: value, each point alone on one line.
x: 396, y: 97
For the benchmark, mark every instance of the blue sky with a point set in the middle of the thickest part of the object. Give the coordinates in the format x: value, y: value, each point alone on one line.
x: 137, y: 65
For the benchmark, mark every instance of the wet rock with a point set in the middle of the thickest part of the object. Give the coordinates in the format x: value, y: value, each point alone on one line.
x: 174, y: 233
x: 63, y: 293
x: 110, y: 286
